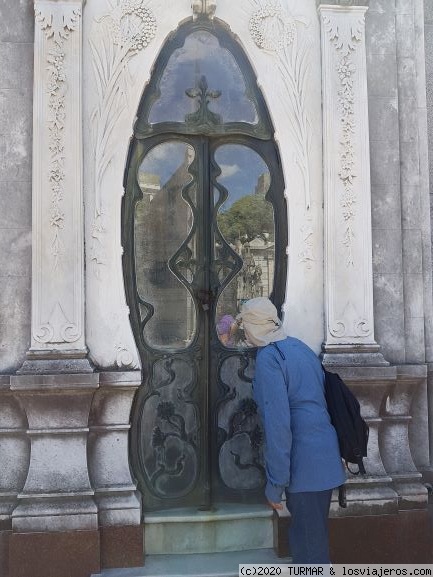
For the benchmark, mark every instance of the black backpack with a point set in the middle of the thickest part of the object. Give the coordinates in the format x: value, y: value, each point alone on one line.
x: 352, y: 430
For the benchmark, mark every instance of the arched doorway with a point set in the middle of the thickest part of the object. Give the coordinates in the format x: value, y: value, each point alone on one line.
x: 204, y: 227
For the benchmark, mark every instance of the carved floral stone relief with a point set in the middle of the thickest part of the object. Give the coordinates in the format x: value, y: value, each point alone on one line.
x: 119, y: 35
x: 57, y: 22
x: 285, y: 36
x: 345, y: 43
x: 347, y: 177
x: 56, y: 320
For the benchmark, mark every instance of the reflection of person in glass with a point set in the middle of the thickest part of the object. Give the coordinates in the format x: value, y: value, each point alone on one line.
x: 302, y: 455
x: 226, y: 328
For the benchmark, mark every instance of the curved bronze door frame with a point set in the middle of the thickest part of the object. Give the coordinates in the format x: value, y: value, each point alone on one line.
x: 204, y: 226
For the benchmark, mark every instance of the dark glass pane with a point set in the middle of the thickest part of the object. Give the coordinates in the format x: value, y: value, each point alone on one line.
x: 202, y: 57
x: 163, y: 221
x: 246, y: 223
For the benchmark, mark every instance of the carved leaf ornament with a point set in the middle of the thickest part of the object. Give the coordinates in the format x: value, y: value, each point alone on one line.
x: 57, y: 23
x: 345, y: 45
x: 119, y: 35
x: 276, y: 31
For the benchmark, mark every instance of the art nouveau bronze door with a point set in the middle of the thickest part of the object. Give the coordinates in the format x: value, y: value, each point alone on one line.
x: 203, y: 228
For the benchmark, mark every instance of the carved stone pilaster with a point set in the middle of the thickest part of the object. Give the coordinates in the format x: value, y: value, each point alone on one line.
x: 348, y: 244
x: 58, y: 239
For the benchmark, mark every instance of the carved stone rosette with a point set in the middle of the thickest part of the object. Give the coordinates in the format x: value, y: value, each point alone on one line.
x: 58, y: 252
x: 348, y: 244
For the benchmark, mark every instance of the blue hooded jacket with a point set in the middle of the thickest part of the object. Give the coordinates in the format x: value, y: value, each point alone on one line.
x: 301, y: 451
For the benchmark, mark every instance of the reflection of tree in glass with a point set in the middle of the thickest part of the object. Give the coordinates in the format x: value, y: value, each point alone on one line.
x: 247, y: 218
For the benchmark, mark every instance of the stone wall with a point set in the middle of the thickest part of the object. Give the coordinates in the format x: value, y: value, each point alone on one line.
x: 428, y: 15
x: 16, y: 81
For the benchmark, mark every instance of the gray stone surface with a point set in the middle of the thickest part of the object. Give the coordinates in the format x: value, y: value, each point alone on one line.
x: 405, y: 28
x: 380, y: 32
x: 385, y: 200
x: 414, y: 336
x: 388, y: 294
x: 17, y: 21
x: 383, y: 119
x: 404, y: 7
x: 16, y: 135
x: 382, y: 75
x: 385, y: 163
x: 387, y: 254
x: 16, y: 93
x: 16, y: 65
x: 410, y: 207
x: 428, y: 11
x: 389, y: 334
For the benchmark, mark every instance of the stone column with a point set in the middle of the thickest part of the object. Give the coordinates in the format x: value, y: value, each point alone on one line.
x: 56, y: 512
x: 57, y: 330
x: 349, y: 335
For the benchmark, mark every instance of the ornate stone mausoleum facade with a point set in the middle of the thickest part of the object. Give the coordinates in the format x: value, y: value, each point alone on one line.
x: 163, y: 161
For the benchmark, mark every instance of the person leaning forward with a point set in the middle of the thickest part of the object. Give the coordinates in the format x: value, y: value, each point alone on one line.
x: 301, y: 447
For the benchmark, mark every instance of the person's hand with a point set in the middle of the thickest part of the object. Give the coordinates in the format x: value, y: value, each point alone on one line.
x: 275, y: 506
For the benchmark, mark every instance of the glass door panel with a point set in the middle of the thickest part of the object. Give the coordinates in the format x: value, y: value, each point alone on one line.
x: 245, y: 222
x: 163, y: 221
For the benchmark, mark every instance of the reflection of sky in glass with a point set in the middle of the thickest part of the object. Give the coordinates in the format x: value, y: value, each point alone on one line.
x: 241, y: 168
x: 164, y: 160
x: 202, y: 55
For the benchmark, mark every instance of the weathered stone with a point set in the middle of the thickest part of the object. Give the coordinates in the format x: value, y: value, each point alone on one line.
x: 15, y: 205
x: 382, y: 76
x: 388, y: 295
x: 15, y: 252
x: 387, y: 256
x: 385, y: 163
x: 386, y: 207
x: 16, y: 65
x: 380, y: 32
x: 390, y: 335
x: 383, y: 119
x: 17, y: 20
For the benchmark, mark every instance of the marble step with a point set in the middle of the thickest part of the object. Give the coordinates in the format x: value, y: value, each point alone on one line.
x: 226, y: 528
x: 193, y: 565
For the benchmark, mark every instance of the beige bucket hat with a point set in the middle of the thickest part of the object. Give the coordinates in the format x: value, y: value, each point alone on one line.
x: 260, y: 321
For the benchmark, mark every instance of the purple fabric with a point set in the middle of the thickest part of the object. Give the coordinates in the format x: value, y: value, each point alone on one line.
x: 224, y: 325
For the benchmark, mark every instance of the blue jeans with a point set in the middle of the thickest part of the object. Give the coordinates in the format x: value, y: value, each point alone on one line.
x: 308, y: 532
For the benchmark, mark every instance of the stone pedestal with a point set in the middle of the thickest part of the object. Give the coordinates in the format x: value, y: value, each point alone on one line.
x: 394, y: 441
x: 57, y: 495
x: 119, y: 506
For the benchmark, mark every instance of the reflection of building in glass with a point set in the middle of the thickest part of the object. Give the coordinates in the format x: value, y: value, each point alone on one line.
x: 256, y: 278
x: 249, y: 225
x: 162, y: 223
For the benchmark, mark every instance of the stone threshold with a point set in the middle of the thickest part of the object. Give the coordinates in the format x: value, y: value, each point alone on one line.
x: 197, y: 565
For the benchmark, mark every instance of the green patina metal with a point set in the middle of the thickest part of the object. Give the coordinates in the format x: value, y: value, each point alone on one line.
x: 196, y: 437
